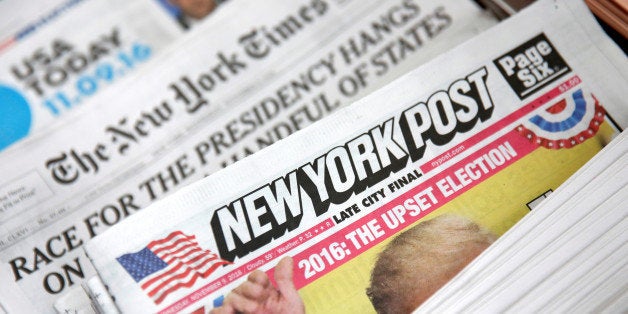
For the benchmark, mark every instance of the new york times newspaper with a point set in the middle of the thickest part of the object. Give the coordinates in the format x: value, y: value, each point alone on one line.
x: 403, y: 187
x: 224, y: 91
x: 57, y: 62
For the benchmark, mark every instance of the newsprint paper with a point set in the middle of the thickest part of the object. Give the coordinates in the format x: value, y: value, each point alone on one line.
x: 24, y: 15
x: 224, y: 91
x: 55, y: 63
x: 428, y: 170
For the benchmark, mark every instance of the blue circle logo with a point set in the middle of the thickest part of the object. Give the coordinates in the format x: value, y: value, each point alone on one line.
x: 15, y: 116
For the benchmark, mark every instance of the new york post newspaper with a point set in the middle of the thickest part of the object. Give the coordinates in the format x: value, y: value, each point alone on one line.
x: 251, y: 74
x: 54, y: 63
x: 385, y: 200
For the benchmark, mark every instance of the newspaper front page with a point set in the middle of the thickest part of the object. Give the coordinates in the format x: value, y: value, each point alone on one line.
x: 58, y: 62
x: 461, y: 148
x: 195, y: 109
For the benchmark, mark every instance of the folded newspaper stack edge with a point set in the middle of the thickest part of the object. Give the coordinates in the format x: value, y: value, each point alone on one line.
x: 471, y: 141
x: 568, y: 255
x: 196, y: 108
x: 60, y: 62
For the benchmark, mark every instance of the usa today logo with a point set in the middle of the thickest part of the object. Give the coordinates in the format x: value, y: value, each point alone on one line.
x: 15, y: 116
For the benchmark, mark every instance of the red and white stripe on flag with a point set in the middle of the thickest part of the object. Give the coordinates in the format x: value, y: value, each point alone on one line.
x: 186, y: 260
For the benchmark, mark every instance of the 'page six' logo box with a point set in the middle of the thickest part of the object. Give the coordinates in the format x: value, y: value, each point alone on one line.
x: 531, y: 66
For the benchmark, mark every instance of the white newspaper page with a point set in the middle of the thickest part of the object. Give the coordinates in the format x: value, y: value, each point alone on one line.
x: 195, y: 109
x: 374, y: 203
x: 21, y: 19
x: 58, y: 62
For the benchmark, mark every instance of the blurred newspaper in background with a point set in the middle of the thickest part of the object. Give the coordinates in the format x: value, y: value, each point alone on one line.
x: 224, y: 91
x: 56, y: 61
x: 23, y: 18
x: 482, y: 134
x: 189, y: 12
x: 505, y: 8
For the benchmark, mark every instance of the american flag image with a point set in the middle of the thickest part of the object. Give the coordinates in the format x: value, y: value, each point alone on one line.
x: 169, y: 264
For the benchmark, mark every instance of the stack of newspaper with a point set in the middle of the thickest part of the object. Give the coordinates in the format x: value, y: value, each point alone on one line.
x: 228, y: 88
x: 374, y: 207
x: 569, y: 255
x: 383, y: 202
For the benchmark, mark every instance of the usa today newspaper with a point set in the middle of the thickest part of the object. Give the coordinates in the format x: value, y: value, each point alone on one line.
x: 376, y: 206
x: 223, y: 91
x: 55, y: 63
